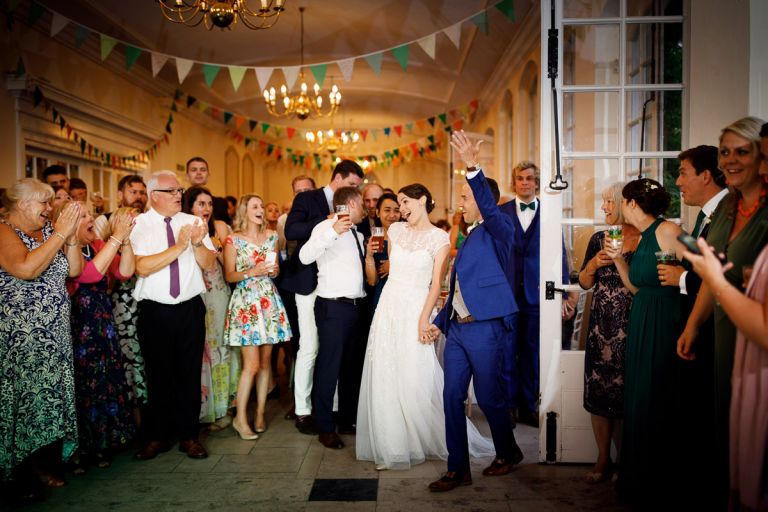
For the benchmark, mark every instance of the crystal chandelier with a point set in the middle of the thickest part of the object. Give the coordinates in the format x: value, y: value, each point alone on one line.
x: 302, y: 105
x: 332, y: 141
x: 222, y: 14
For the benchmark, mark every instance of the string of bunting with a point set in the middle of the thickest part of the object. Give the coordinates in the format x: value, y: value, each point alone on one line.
x: 263, y: 74
x: 448, y: 118
x: 309, y: 160
x: 95, y: 152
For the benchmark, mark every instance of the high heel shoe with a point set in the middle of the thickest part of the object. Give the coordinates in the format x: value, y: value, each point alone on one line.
x: 244, y: 437
x: 260, y: 430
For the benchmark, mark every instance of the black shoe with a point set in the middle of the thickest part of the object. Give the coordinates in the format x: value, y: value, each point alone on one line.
x: 306, y: 425
x: 274, y: 394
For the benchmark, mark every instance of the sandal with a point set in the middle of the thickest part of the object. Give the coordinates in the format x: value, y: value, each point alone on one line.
x: 103, y: 460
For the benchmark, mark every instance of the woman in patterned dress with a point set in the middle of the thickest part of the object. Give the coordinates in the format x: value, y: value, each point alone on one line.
x: 101, y: 391
x: 606, y: 338
x: 37, y: 387
x: 256, y: 318
x: 221, y: 363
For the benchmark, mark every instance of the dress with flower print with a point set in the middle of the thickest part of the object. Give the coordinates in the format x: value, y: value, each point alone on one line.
x: 256, y: 314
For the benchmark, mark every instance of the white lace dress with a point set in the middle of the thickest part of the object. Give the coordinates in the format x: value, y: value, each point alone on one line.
x: 400, y: 419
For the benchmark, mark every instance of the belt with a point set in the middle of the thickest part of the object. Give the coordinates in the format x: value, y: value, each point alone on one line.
x: 345, y: 300
x: 467, y: 319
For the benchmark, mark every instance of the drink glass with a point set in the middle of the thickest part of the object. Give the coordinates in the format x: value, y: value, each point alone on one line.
x: 614, y: 237
x: 377, y: 235
x: 342, y: 211
x: 271, y: 259
x: 666, y: 258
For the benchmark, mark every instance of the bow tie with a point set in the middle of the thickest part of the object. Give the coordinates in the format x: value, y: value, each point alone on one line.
x: 531, y: 205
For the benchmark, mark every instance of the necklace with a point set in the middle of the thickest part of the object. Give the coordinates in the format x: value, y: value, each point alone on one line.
x: 87, y: 251
x: 751, y: 211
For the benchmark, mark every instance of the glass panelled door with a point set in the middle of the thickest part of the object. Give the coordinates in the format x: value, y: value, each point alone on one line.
x: 620, y: 93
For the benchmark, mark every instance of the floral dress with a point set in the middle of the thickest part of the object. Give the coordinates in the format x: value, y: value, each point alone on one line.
x: 221, y: 363
x: 37, y: 382
x: 126, y: 313
x: 102, y: 393
x: 256, y: 313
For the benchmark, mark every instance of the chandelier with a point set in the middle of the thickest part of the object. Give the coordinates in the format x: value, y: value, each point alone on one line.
x: 222, y: 14
x: 302, y: 105
x: 332, y: 140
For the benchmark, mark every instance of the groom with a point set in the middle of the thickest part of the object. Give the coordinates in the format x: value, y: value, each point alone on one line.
x: 478, y: 312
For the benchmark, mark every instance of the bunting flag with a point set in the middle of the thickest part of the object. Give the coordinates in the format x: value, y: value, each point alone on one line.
x: 428, y: 45
x: 262, y: 77
x: 252, y: 124
x: 236, y: 74
x: 454, y: 34
x: 182, y: 68
x: 209, y: 72
x: 387, y: 131
x: 481, y: 21
x: 290, y: 131
x: 399, y: 130
x: 346, y: 66
x: 401, y: 54
x: 158, y: 61
x: 291, y: 74
x: 81, y: 35
x: 319, y: 73
x: 107, y: 44
x: 131, y: 55
x: 374, y: 61
x: 58, y: 22
x: 227, y: 117
x: 508, y: 8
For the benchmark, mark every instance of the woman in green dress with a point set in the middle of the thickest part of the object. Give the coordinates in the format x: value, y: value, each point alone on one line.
x: 739, y: 229
x: 654, y: 324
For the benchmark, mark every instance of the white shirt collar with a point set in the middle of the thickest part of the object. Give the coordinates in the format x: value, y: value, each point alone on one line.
x: 709, y: 206
x: 328, y: 196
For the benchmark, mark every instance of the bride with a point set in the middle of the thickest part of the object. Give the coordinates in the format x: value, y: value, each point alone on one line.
x: 400, y: 418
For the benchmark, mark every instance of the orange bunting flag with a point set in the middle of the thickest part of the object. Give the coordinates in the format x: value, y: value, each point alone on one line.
x: 399, y: 130
x: 291, y: 131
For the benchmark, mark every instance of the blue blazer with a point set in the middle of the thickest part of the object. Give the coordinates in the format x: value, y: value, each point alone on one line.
x: 483, y: 264
x: 526, y: 261
x: 309, y: 209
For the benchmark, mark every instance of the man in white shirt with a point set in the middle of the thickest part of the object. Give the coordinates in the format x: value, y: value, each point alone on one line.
x: 337, y: 248
x: 171, y: 250
x: 131, y: 192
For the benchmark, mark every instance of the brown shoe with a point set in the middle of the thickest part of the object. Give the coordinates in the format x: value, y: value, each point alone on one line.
x: 193, y: 449
x: 151, y: 450
x: 306, y: 425
x: 503, y: 466
x: 331, y: 440
x: 450, y: 481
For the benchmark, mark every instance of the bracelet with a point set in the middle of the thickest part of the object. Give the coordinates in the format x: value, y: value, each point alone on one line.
x: 119, y: 242
x: 63, y: 238
x: 470, y: 165
x: 115, y: 245
x: 76, y: 244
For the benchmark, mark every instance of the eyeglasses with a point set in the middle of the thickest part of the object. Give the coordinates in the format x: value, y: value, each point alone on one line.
x: 172, y: 191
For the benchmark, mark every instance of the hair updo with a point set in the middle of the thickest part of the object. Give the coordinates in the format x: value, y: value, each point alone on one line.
x: 417, y: 191
x: 649, y: 195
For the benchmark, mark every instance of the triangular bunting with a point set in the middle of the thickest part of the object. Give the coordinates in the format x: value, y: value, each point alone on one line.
x: 209, y: 72
x: 107, y: 44
x: 346, y: 66
x: 278, y: 131
x: 401, y: 54
x: 364, y: 134
x: 454, y: 34
x: 290, y: 131
x: 431, y: 121
x: 182, y: 68
x: 399, y: 130
x: 236, y: 74
x: 387, y: 131
x: 474, y: 104
x: 252, y: 124
x: 457, y: 124
x: 318, y: 71
x: 262, y: 76
x: 131, y: 54
x: 508, y: 8
x: 481, y: 21
x: 202, y: 106
x: 158, y: 61
x: 409, y: 127
x: 38, y: 96
x: 264, y: 128
x: 191, y: 101
x: 375, y: 62
x: 420, y: 125
x: 81, y: 35
x: 227, y: 117
x: 239, y: 122
x: 58, y: 22
x: 442, y: 117
x: 290, y: 73
x: 428, y: 45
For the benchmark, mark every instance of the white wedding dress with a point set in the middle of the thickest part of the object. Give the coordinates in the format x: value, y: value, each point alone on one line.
x: 400, y: 418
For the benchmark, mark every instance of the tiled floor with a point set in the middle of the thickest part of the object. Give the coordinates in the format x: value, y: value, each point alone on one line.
x: 287, y: 470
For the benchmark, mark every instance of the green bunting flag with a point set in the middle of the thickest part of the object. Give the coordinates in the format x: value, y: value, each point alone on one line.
x: 375, y: 62
x: 131, y: 54
x: 508, y: 8
x: 481, y: 21
x: 401, y: 54
x: 107, y: 44
x: 264, y: 128
x: 236, y: 74
x: 442, y: 117
x: 387, y: 130
x: 210, y: 71
x: 318, y: 71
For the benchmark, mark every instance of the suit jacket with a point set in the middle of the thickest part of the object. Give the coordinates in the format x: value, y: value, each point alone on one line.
x: 526, y: 261
x: 309, y: 209
x: 483, y: 262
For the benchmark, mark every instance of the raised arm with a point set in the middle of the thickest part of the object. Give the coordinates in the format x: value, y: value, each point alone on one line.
x: 322, y: 238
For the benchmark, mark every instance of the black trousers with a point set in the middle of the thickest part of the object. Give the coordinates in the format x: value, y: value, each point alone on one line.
x: 172, y: 338
x: 336, y: 331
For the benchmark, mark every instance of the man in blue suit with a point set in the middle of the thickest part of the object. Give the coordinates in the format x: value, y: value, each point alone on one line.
x: 521, y: 357
x: 478, y: 313
x: 310, y: 209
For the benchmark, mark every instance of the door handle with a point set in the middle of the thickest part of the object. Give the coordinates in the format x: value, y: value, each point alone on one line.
x: 549, y: 290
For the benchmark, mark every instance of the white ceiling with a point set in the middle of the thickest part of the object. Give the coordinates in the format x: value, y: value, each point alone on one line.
x: 334, y: 30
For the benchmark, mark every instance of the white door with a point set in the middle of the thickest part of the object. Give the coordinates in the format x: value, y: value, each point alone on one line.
x: 620, y: 102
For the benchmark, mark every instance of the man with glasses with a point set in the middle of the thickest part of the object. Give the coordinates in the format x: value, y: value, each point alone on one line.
x: 171, y: 250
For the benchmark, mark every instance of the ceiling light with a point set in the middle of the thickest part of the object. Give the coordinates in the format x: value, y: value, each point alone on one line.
x: 222, y: 14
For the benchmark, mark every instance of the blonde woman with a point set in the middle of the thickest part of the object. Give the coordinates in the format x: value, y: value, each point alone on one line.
x: 256, y: 318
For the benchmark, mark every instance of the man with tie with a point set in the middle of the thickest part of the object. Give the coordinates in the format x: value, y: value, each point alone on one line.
x: 308, y: 210
x: 337, y: 249
x: 521, y: 357
x: 171, y: 250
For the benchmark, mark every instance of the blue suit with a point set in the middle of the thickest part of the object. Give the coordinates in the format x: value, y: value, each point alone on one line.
x: 521, y: 357
x: 475, y: 349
